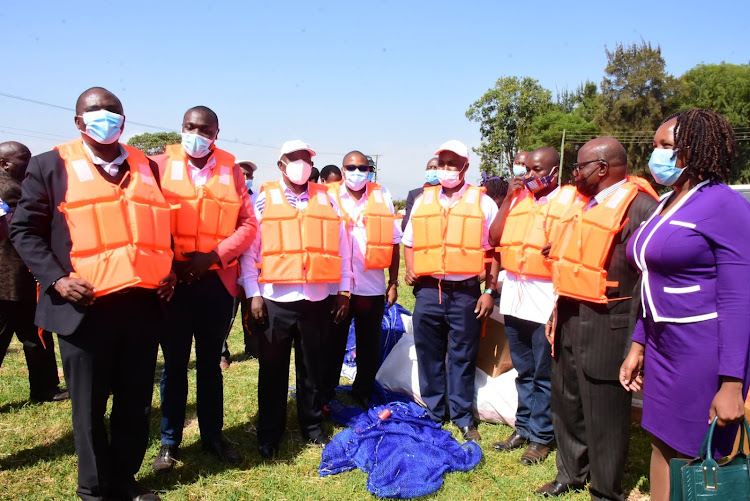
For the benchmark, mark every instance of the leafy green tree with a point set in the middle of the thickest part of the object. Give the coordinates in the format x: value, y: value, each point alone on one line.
x: 505, y: 114
x: 547, y: 130
x: 636, y: 95
x: 154, y: 143
x: 724, y: 88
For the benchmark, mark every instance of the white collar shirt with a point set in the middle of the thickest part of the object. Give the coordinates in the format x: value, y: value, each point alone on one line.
x: 200, y: 176
x: 370, y: 282
x: 528, y: 298
x: 602, y: 195
x: 111, y: 168
x: 489, y: 210
x: 291, y: 292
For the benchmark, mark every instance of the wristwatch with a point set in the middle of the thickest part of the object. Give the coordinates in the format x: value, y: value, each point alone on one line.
x: 345, y: 293
x: 393, y: 282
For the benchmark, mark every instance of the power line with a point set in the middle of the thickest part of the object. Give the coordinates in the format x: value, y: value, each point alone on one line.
x: 158, y: 127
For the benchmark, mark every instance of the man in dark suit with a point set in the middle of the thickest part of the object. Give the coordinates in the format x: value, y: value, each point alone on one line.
x: 18, y: 291
x: 590, y: 410
x: 105, y: 305
x: 430, y: 175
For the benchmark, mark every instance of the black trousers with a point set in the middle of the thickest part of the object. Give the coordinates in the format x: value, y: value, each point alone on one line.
x: 591, y: 420
x: 18, y: 317
x: 367, y: 313
x: 112, y: 351
x: 307, y: 325
x: 251, y: 342
x: 200, y: 310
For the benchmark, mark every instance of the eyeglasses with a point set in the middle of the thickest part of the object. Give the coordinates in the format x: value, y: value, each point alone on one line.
x: 360, y: 168
x: 577, y: 167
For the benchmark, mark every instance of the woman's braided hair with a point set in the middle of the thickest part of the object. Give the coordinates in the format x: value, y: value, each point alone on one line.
x: 708, y: 140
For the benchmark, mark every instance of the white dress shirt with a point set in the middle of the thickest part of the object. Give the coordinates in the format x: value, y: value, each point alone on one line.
x: 370, y: 282
x: 201, y: 176
x: 111, y: 168
x: 528, y: 298
x: 292, y: 292
x: 489, y: 210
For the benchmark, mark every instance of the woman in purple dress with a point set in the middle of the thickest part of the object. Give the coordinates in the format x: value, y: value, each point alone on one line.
x: 694, y: 257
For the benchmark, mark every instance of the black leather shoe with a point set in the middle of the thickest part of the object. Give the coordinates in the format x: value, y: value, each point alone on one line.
x: 54, y: 395
x: 223, y: 450
x: 317, y: 437
x: 555, y: 488
x: 470, y: 433
x: 166, y: 458
x: 514, y: 441
x: 134, y: 492
x: 268, y: 451
x: 535, y: 453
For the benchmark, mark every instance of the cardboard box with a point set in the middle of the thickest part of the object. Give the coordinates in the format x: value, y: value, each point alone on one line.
x: 494, y: 353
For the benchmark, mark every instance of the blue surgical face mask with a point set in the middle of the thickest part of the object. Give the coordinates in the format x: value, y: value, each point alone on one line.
x: 519, y: 170
x: 196, y: 145
x: 371, y: 177
x: 249, y: 184
x: 431, y: 177
x: 103, y: 126
x: 663, y: 166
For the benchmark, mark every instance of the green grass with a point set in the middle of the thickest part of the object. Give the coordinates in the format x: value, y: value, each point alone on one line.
x: 37, y: 459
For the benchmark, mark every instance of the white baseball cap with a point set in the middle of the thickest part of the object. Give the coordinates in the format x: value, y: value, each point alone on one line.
x: 295, y: 145
x: 456, y: 147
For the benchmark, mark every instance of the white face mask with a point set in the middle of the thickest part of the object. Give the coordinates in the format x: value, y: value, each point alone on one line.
x: 449, y: 178
x: 356, y: 180
x: 298, y: 171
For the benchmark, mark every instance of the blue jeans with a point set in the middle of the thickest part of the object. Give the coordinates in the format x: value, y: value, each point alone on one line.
x: 449, y: 325
x: 531, y: 357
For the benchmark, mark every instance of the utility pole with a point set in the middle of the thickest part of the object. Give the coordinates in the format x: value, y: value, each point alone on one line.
x: 376, y: 157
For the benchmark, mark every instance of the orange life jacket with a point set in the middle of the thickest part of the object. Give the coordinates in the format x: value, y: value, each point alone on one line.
x: 207, y: 214
x: 527, y: 229
x: 333, y: 188
x: 378, y: 220
x: 120, y: 236
x: 448, y: 240
x: 299, y: 246
x: 581, y: 242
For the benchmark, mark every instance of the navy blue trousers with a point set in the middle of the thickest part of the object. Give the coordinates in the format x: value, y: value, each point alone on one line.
x: 203, y: 310
x: 531, y: 355
x: 445, y: 323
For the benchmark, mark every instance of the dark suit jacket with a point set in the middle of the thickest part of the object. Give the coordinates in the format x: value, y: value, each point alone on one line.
x: 41, y: 236
x: 413, y: 194
x: 18, y: 283
x: 605, y: 330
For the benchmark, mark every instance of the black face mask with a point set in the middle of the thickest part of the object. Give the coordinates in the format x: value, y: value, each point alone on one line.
x: 584, y: 188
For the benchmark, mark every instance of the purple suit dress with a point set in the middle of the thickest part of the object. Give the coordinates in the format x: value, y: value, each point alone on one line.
x: 695, y: 264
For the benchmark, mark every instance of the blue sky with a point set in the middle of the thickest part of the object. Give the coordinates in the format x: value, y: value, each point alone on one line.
x: 384, y: 77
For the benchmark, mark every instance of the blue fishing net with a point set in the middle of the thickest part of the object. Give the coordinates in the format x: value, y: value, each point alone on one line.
x: 405, y: 455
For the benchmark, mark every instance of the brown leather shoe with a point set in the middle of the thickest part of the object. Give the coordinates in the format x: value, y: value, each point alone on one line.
x: 514, y: 441
x: 534, y: 453
x: 555, y: 488
x: 470, y: 433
